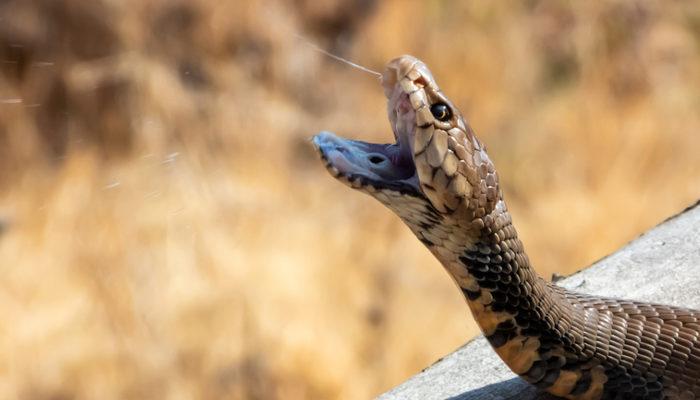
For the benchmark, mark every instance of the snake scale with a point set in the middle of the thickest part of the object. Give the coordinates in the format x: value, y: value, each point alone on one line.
x: 439, y: 180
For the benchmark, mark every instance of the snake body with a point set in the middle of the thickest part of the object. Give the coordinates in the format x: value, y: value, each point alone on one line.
x: 440, y: 181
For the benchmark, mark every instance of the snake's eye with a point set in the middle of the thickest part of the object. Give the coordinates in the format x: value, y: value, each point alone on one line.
x: 441, y: 111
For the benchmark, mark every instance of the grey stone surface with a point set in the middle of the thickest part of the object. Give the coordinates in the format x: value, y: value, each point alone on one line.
x: 661, y: 266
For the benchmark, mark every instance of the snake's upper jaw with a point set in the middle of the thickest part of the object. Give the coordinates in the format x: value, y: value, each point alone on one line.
x: 362, y: 164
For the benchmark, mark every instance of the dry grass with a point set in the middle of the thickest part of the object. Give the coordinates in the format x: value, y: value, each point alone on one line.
x: 168, y: 233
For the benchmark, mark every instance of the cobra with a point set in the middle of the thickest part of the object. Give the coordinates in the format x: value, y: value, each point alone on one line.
x: 440, y: 181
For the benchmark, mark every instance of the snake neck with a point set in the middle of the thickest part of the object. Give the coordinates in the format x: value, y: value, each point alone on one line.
x: 526, y: 320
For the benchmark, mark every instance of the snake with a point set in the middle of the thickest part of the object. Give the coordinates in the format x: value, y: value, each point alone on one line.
x: 438, y: 178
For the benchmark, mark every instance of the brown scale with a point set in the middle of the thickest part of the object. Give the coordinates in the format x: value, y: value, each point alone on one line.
x: 569, y: 344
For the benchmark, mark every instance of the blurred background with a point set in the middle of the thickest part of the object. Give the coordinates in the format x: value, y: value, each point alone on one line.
x: 167, y: 232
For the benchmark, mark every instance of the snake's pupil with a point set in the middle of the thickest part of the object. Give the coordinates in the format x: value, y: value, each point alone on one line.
x: 441, y: 112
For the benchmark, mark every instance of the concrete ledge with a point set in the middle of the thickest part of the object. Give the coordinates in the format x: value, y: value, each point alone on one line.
x: 661, y: 266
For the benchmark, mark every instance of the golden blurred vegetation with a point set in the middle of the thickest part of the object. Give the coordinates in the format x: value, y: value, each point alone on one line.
x: 166, y: 231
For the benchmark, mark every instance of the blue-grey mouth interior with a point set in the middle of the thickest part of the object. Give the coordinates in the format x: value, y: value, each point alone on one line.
x: 381, y: 165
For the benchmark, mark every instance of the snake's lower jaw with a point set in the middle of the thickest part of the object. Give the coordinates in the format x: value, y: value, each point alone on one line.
x: 367, y: 166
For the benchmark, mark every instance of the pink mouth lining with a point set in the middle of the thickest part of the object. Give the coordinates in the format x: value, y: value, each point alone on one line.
x: 402, y: 118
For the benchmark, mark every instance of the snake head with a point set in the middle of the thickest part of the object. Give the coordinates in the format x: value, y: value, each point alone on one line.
x: 436, y: 159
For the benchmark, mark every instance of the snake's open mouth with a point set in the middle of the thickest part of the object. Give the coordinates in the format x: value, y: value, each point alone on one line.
x: 383, y: 166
